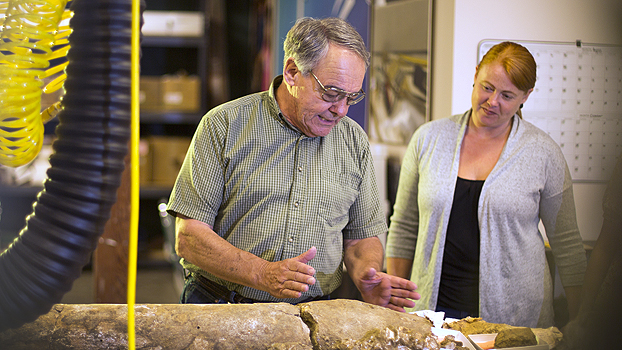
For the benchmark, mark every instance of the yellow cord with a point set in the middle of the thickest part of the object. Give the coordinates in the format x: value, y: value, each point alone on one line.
x: 135, y: 176
x: 30, y: 31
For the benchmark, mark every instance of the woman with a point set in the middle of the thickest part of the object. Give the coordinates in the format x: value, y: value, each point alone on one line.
x: 471, y: 193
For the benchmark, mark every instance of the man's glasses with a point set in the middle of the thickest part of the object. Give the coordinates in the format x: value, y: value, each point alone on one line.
x: 333, y: 94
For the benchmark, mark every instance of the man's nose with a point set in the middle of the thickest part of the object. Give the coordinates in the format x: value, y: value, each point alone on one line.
x: 340, y: 108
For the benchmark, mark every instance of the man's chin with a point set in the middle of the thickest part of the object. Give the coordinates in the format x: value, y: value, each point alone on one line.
x: 323, y: 131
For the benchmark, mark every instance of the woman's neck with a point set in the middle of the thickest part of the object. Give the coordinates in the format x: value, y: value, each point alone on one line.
x: 485, y: 133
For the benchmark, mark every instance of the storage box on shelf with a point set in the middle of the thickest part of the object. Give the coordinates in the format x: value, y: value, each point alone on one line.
x: 181, y: 93
x: 161, y: 159
x: 149, y: 95
x: 173, y: 23
x: 170, y: 93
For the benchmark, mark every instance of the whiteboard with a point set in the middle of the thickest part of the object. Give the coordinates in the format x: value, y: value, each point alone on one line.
x: 577, y: 100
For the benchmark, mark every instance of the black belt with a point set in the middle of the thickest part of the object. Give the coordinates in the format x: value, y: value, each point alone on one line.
x: 221, y: 292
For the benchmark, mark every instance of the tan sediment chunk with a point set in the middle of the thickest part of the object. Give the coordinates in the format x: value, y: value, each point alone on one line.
x: 351, y: 324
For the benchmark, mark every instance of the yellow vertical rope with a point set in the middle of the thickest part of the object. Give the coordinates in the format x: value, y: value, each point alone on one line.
x: 135, y: 178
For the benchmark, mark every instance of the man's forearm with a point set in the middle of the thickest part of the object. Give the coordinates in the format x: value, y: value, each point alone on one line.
x: 361, y: 254
x: 201, y: 246
x: 197, y: 243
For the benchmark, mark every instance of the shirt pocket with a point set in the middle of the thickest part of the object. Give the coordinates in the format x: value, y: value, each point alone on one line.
x: 339, y: 192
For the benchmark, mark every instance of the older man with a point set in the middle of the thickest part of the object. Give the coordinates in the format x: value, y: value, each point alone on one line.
x: 277, y: 190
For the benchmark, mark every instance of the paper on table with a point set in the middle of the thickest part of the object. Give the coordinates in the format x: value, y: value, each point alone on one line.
x: 442, y: 333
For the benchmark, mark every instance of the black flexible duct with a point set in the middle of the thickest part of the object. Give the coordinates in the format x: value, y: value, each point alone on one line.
x: 68, y: 218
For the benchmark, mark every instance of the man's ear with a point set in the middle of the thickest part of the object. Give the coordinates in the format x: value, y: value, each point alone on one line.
x: 290, y: 71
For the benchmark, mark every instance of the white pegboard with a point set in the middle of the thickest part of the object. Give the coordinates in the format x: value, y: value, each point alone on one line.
x: 577, y: 100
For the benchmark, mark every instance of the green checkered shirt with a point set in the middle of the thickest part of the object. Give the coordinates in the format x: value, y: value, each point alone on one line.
x: 270, y: 190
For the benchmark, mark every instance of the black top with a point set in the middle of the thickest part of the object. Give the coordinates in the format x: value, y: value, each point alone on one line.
x: 459, y: 287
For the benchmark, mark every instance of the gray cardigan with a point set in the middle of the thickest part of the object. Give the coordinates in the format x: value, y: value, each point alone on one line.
x: 529, y: 183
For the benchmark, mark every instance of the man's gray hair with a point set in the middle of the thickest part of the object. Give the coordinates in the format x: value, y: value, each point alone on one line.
x: 308, y: 41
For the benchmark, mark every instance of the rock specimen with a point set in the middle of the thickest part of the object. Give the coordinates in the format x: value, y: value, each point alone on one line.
x: 319, y: 325
x: 515, y: 337
x: 351, y: 324
x: 475, y: 325
x: 104, y: 326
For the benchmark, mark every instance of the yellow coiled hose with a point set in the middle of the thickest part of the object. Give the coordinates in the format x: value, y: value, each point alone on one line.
x: 30, y: 31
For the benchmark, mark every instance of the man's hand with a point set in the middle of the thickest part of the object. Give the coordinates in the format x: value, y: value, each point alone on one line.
x: 288, y: 278
x: 363, y: 259
x: 386, y: 290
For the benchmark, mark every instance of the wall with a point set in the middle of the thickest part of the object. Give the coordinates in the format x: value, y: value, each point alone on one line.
x: 459, y: 25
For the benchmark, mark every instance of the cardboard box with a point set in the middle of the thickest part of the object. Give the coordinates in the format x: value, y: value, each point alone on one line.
x: 167, y: 156
x: 149, y: 97
x: 173, y: 23
x: 180, y: 93
x: 144, y: 162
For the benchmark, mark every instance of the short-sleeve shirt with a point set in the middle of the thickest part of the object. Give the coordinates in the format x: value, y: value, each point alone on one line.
x: 270, y: 190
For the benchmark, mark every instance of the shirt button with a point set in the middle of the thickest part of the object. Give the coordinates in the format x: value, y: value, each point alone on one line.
x: 296, y: 204
x: 300, y: 168
x: 291, y: 239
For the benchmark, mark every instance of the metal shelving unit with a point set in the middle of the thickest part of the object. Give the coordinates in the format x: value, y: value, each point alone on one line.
x: 167, y: 54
